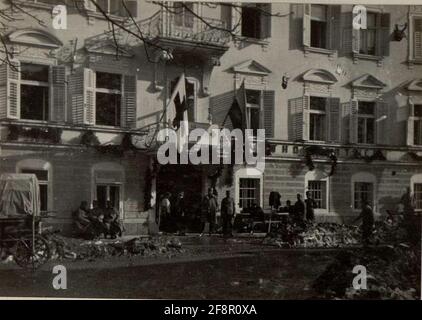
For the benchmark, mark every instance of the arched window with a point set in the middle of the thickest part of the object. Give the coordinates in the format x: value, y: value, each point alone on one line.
x: 317, y: 183
x: 363, y: 189
x: 108, y: 184
x: 43, y: 170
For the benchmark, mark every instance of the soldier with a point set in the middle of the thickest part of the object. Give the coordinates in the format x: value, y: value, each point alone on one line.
x: 310, y: 204
x: 209, y: 211
x: 228, y: 210
x: 367, y: 216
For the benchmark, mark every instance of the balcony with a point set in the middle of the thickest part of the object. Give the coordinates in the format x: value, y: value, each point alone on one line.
x: 168, y: 30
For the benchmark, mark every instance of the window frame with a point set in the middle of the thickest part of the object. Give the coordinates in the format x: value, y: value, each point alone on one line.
x: 264, y: 34
x: 416, y: 119
x: 110, y: 92
x: 34, y: 83
x: 252, y: 173
x: 366, y: 117
x: 321, y: 176
x: 412, y: 18
x: 363, y: 177
x: 318, y: 112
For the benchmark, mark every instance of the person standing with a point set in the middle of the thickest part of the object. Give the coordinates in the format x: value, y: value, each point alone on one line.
x: 209, y: 211
x: 179, y: 212
x: 310, y: 205
x: 165, y: 207
x: 111, y: 220
x: 367, y: 216
x: 228, y: 210
x: 299, y: 209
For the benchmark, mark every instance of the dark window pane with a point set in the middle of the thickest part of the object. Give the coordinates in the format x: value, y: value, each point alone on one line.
x: 317, y: 103
x: 253, y: 97
x: 318, y: 34
x: 115, y: 196
x: 366, y: 107
x: 109, y: 81
x: 102, y: 196
x: 417, y: 110
x: 44, y: 197
x: 251, y: 22
x: 34, y: 103
x: 370, y: 130
x: 107, y: 109
x: 34, y: 72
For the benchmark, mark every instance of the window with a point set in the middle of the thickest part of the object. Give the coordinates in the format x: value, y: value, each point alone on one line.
x: 256, y: 21
x: 417, y: 191
x: 108, y: 99
x: 116, y: 7
x: 368, y: 35
x: 42, y: 176
x: 253, y: 107
x: 417, y: 135
x: 319, y: 26
x: 249, y: 192
x: 183, y: 16
x: 318, y: 190
x: 108, y: 193
x: 366, y: 122
x: 317, y: 118
x: 34, y: 92
x: 416, y: 37
x: 363, y: 191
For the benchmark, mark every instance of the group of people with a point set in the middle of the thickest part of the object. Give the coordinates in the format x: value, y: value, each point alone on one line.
x: 97, y: 222
x: 172, y: 216
x: 302, y: 210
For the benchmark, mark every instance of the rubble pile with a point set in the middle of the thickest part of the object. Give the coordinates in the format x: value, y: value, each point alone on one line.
x: 324, y: 235
x: 393, y: 272
x: 65, y: 248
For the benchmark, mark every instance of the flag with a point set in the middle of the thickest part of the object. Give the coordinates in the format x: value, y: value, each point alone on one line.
x: 177, y: 112
x: 237, y: 111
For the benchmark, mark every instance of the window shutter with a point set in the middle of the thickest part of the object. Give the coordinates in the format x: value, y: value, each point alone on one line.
x: 410, y: 137
x: 236, y: 18
x: 295, y: 118
x: 305, y: 123
x: 82, y: 96
x: 10, y: 92
x: 307, y: 25
x: 220, y: 106
x: 381, y: 123
x: 89, y: 5
x: 417, y: 39
x: 353, y: 122
x: 89, y: 96
x: 355, y: 39
x: 345, y: 122
x: 334, y: 119
x: 266, y: 21
x: 132, y: 6
x: 384, y: 35
x: 347, y: 33
x: 335, y: 27
x: 58, y: 89
x: 129, y: 107
x: 269, y: 101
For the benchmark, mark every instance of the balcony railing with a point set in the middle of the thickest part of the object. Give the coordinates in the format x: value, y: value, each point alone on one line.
x: 166, y: 25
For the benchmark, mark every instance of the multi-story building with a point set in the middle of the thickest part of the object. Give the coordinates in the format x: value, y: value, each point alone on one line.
x: 342, y: 108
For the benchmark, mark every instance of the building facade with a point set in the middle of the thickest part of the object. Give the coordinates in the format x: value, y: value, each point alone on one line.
x: 341, y: 108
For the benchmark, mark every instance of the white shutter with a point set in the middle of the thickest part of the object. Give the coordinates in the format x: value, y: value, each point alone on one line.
x: 89, y: 96
x: 129, y: 99
x: 236, y: 17
x: 345, y: 122
x: 10, y: 90
x: 266, y: 21
x: 417, y: 38
x: 296, y: 119
x: 355, y: 38
x: 307, y: 25
x: 82, y: 96
x: 306, y: 121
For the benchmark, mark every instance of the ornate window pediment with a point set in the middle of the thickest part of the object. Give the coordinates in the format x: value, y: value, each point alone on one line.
x: 253, y: 73
x: 415, y: 85
x: 34, y: 37
x: 251, y: 67
x: 368, y: 81
x: 320, y: 76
